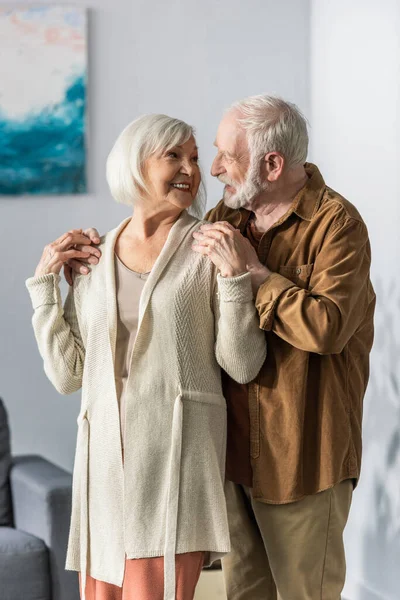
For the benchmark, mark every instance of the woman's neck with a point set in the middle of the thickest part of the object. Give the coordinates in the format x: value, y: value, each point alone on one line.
x: 142, y: 240
x: 147, y: 223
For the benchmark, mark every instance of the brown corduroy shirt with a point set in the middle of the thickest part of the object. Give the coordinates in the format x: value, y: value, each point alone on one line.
x: 317, y: 307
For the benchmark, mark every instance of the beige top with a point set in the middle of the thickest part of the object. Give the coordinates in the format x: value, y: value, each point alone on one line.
x: 129, y: 286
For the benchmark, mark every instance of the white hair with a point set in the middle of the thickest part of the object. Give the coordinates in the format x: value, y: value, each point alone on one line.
x: 274, y: 125
x: 142, y: 138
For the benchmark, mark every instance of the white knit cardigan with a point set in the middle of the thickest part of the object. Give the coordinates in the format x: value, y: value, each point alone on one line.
x: 168, y: 496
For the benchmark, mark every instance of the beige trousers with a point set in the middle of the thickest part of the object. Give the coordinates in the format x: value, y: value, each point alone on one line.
x: 287, y: 551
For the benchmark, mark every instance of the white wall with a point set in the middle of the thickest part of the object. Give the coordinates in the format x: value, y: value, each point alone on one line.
x: 187, y: 58
x: 355, y: 114
x: 191, y: 59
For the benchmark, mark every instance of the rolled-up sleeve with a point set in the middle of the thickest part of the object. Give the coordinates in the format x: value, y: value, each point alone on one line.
x: 324, y: 317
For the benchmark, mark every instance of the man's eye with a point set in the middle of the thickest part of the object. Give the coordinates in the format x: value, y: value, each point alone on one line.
x: 195, y: 159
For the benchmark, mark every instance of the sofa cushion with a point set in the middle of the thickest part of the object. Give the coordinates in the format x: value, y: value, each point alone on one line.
x: 5, y: 464
x: 24, y: 566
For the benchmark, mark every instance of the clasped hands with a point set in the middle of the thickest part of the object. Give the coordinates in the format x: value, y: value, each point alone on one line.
x: 230, y: 252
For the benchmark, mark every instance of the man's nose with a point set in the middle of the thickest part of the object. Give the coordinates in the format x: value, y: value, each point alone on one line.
x: 216, y: 167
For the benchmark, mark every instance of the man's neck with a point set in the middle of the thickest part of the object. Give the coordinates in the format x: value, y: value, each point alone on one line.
x: 275, y: 203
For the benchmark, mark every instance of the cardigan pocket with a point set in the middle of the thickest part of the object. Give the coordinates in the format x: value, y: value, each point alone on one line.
x: 204, y: 397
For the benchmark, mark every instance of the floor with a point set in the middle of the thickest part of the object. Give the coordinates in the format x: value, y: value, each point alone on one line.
x: 211, y: 586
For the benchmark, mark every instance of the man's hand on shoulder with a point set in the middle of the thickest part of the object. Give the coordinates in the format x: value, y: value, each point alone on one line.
x: 81, y: 266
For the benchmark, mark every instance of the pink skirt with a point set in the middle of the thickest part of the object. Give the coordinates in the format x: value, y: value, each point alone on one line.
x: 144, y: 579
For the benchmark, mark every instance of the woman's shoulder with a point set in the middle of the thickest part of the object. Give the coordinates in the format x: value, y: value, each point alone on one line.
x: 83, y: 282
x: 108, y: 238
x: 112, y: 234
x: 195, y: 223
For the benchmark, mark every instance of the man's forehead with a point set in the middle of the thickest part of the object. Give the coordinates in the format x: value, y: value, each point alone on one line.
x: 230, y: 133
x: 230, y: 120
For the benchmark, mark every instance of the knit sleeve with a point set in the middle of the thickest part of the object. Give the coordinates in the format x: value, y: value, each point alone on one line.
x: 57, y: 332
x: 240, y: 343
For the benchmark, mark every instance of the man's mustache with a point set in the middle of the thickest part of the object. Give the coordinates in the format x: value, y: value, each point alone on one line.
x: 227, y: 181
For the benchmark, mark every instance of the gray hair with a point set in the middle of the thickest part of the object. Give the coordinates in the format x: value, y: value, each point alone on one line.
x: 274, y: 125
x: 142, y: 138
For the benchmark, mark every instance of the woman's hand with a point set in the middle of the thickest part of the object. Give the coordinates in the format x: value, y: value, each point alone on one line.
x: 58, y: 253
x: 230, y: 252
x: 225, y: 247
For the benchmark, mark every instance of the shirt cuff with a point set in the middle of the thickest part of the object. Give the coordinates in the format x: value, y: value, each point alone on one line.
x: 235, y: 289
x: 268, y: 296
x: 44, y: 289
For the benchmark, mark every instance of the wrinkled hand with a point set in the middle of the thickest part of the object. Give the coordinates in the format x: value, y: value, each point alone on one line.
x: 94, y: 254
x: 231, y: 253
x: 225, y: 246
x: 57, y: 253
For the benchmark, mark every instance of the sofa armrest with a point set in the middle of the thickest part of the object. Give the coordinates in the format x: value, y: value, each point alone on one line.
x: 41, y: 495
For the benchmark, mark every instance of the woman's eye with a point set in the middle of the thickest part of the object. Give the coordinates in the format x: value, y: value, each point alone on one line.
x: 172, y: 155
x: 195, y: 159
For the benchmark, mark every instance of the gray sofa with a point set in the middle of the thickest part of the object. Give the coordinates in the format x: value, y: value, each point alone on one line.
x: 35, y: 507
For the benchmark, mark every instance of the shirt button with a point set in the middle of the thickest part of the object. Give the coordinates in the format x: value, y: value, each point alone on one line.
x: 298, y: 271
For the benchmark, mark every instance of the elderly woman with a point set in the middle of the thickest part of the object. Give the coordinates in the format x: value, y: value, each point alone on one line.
x: 144, y: 335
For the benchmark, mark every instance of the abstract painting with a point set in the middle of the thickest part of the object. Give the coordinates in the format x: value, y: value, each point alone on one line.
x: 43, y: 70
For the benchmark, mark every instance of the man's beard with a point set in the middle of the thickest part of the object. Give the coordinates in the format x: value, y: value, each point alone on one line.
x: 248, y: 190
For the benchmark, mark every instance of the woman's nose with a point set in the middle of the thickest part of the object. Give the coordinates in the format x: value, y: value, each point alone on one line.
x: 187, y: 167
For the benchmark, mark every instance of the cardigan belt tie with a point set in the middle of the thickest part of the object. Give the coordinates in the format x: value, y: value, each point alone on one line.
x: 84, y: 517
x: 173, y: 500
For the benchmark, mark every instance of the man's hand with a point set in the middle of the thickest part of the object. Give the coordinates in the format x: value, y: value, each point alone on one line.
x: 230, y: 252
x: 79, y: 265
x: 63, y: 249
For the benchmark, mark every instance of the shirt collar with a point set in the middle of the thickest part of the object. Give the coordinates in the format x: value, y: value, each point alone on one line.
x: 307, y: 201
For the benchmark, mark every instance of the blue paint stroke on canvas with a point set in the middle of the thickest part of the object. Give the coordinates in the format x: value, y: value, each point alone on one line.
x: 45, y: 153
x: 43, y: 67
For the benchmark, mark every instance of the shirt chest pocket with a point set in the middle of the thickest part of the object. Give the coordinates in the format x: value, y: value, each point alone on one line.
x: 299, y: 274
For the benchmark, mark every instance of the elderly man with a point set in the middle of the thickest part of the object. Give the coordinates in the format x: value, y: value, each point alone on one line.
x: 294, y: 434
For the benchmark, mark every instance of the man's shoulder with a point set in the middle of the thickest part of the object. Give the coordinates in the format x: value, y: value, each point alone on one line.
x: 338, y: 207
x: 221, y: 212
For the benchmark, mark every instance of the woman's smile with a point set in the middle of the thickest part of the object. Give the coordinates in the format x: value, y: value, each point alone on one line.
x: 183, y: 187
